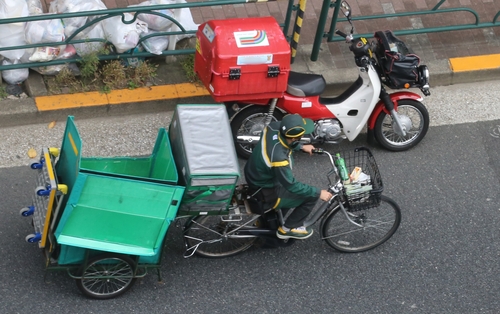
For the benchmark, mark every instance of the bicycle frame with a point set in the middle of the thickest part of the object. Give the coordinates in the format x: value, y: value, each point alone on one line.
x: 248, y: 230
x: 357, y: 218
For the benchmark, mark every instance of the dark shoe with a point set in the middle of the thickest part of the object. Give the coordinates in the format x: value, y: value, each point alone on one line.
x: 295, y: 233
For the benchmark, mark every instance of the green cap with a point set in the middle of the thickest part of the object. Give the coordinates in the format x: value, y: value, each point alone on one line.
x: 293, y: 125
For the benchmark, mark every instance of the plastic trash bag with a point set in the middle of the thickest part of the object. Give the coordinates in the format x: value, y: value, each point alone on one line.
x: 44, y: 54
x: 156, y: 44
x: 12, y: 34
x: 156, y: 22
x: 44, y: 31
x: 34, y: 7
x: 123, y: 36
x: 68, y: 52
x: 185, y: 18
x: 70, y: 6
x: 15, y: 76
x: 85, y: 48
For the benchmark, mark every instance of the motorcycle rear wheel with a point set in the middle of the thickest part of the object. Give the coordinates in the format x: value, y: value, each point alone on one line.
x: 250, y: 121
x: 415, y: 119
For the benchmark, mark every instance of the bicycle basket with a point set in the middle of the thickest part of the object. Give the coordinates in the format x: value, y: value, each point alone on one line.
x: 366, y: 186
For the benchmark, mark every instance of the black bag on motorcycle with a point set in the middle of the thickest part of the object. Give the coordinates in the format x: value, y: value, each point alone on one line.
x: 397, y: 61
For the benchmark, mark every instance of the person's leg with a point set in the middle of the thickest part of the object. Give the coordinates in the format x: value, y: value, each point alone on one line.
x: 300, y: 213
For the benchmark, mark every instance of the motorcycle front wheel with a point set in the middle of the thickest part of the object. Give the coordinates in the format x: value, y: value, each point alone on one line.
x: 415, y: 120
x: 250, y: 121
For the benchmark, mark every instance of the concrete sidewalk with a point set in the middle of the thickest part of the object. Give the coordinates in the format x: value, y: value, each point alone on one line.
x: 43, y: 108
x: 456, y: 63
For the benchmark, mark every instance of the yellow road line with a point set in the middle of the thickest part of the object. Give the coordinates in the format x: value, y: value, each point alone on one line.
x: 475, y: 63
x: 55, y: 102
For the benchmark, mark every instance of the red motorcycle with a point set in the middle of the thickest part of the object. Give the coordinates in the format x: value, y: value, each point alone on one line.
x: 398, y: 120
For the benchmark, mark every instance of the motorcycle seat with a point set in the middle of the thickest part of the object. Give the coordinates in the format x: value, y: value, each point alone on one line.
x: 305, y: 84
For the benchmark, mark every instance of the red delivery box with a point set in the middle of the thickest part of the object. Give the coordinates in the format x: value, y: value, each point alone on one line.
x: 242, y: 58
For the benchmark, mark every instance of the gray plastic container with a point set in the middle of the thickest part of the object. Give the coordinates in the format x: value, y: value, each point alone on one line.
x: 205, y: 158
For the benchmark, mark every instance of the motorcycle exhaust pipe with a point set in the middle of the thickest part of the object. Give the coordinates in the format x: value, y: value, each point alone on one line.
x: 249, y: 139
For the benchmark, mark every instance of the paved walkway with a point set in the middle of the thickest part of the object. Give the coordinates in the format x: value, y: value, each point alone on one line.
x: 430, y: 47
x: 452, y: 57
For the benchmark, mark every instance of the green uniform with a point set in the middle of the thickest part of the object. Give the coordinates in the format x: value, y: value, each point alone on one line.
x: 270, y: 167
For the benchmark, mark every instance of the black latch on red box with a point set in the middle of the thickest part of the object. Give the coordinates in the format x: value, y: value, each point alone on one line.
x: 234, y: 74
x: 273, y: 71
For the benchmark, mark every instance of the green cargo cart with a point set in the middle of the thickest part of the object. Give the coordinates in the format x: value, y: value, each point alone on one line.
x: 104, y: 220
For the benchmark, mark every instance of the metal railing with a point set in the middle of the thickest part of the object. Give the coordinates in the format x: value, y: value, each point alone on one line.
x: 100, y: 15
x: 330, y: 34
x: 136, y: 10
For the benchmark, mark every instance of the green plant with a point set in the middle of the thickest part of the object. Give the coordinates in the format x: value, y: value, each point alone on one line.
x: 3, y: 92
x: 90, y: 64
x: 105, y: 89
x: 142, y: 74
x: 188, y: 66
x: 132, y: 85
x: 102, y: 76
x: 66, y: 78
x: 113, y: 74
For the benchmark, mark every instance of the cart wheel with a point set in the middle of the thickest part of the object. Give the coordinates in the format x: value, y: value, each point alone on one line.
x: 106, y: 276
x: 27, y: 211
x: 42, y: 191
x: 36, y: 164
x: 33, y: 238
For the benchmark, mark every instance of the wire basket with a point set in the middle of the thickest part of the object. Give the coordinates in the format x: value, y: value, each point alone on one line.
x: 366, y: 186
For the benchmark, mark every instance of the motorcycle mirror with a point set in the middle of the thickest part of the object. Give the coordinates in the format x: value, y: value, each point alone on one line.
x: 346, y: 9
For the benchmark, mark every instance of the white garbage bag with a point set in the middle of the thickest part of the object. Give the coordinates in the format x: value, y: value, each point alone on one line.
x: 156, y: 22
x: 44, y: 31
x: 35, y: 7
x: 12, y: 34
x: 15, y: 76
x: 185, y: 18
x: 123, y: 36
x: 156, y: 44
x: 70, y: 6
x: 68, y: 52
x: 85, y: 48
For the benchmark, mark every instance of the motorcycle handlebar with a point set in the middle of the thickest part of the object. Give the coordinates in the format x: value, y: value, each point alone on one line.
x: 340, y: 33
x: 348, y: 38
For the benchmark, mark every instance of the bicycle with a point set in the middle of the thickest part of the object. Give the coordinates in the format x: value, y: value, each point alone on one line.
x: 356, y: 219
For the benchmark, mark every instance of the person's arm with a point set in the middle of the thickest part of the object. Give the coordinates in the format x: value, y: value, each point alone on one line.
x: 285, y: 178
x: 308, y: 148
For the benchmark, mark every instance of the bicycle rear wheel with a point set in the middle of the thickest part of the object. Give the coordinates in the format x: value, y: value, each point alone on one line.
x: 218, y: 236
x: 378, y: 224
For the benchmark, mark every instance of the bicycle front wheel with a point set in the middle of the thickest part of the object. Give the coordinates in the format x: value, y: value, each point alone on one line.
x: 218, y: 236
x: 371, y: 227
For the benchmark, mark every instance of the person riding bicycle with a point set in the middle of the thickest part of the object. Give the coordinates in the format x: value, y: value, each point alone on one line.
x: 269, y: 171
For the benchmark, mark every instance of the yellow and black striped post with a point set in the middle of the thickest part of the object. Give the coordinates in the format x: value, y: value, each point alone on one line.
x: 297, y: 28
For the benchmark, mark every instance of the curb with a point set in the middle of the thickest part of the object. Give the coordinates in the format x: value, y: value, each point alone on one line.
x: 41, y: 107
x: 118, y: 97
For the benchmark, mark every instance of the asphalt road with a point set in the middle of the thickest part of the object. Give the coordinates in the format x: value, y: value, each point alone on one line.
x: 443, y: 259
